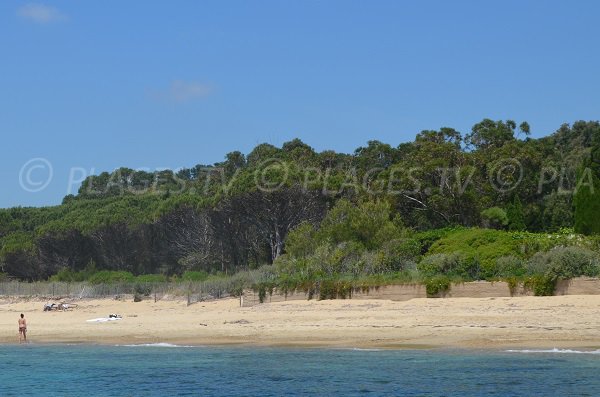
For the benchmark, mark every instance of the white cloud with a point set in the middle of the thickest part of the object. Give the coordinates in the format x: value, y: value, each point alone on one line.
x: 40, y: 13
x: 183, y: 91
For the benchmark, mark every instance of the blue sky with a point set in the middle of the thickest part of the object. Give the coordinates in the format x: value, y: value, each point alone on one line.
x: 149, y: 84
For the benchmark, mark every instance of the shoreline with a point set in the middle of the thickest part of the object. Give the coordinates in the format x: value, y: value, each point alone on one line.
x: 562, y: 322
x: 585, y: 350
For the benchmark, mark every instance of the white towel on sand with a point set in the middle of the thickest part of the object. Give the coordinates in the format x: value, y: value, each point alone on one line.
x: 103, y: 319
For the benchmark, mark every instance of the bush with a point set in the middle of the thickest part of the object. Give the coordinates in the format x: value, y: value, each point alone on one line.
x: 327, y: 290
x: 194, y: 276
x: 436, y: 264
x: 367, y: 222
x: 344, y: 257
x: 329, y: 260
x: 509, y: 266
x: 263, y: 288
x: 333, y: 289
x: 137, y: 297
x: 513, y: 283
x: 541, y: 285
x: 437, y: 286
x: 587, y: 199
x: 109, y: 277
x: 141, y: 289
x: 483, y: 245
x: 565, y: 263
x: 67, y: 275
x: 301, y: 241
x: 426, y: 239
x: 469, y: 269
x: 495, y: 217
x: 151, y: 278
x: 400, y: 254
x: 450, y: 264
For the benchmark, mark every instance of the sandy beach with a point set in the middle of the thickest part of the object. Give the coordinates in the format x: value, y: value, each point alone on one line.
x: 519, y: 322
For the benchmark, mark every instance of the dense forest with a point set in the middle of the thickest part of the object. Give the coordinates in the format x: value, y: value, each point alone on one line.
x: 483, y: 204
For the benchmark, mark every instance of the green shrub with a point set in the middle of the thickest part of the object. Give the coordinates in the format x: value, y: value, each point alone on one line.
x: 344, y: 289
x: 541, y: 285
x: 436, y: 264
x: 565, y: 263
x: 344, y: 257
x: 262, y: 294
x: 509, y: 266
x: 301, y: 241
x: 194, y: 276
x: 67, y: 275
x: 469, y: 269
x: 484, y: 246
x: 327, y: 290
x: 427, y: 238
x: 334, y: 289
x: 142, y: 289
x: 328, y: 260
x: 109, y: 277
x: 367, y: 222
x: 494, y: 217
x: 449, y: 264
x: 514, y: 213
x: 151, y: 278
x: 437, y: 286
x: 513, y: 283
x: 400, y: 254
x: 586, y: 199
x: 371, y: 263
x: 263, y: 288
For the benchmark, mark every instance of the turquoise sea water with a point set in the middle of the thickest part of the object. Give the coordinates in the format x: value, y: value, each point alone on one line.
x: 164, y: 370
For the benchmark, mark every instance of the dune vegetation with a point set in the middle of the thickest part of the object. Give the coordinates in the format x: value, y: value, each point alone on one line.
x: 447, y: 207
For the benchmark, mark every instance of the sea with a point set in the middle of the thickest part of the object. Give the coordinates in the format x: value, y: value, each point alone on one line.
x: 170, y: 370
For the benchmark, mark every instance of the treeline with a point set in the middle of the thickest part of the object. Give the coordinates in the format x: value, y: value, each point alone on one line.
x: 293, y: 205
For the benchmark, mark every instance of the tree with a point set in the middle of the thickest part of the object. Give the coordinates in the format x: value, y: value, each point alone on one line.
x: 376, y: 154
x: 515, y: 216
x: 444, y: 135
x: 587, y: 195
x: 301, y: 241
x: 586, y: 202
x: 261, y: 153
x: 557, y: 212
x: 190, y: 234
x: 217, y: 218
x: 273, y: 214
x: 369, y: 223
x: 299, y: 152
x: 525, y: 128
x: 234, y: 161
x: 494, y: 217
x: 491, y: 134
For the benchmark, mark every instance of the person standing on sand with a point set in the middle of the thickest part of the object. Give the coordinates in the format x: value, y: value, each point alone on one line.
x: 22, y: 329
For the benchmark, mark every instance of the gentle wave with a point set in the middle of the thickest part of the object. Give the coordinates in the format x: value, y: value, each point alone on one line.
x: 162, y: 344
x: 359, y: 349
x: 555, y: 350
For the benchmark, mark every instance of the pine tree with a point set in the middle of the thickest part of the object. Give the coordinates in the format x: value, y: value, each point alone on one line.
x: 587, y: 192
x: 514, y: 212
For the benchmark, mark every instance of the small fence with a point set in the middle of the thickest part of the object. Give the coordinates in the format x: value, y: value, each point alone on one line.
x: 194, y: 291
